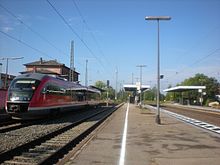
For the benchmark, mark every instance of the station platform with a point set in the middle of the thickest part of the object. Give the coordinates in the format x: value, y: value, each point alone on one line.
x: 147, y: 143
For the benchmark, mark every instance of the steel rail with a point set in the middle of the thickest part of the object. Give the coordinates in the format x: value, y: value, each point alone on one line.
x: 189, y: 120
x: 11, y: 156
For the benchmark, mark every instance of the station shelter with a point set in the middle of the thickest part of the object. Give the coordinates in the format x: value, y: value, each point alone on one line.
x: 136, y: 90
x: 181, y: 89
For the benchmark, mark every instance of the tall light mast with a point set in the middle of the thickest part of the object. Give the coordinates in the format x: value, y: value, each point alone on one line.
x: 72, y: 69
x: 86, y: 75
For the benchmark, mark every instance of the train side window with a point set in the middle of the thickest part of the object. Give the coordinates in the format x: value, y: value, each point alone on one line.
x: 44, y: 90
x: 53, y: 89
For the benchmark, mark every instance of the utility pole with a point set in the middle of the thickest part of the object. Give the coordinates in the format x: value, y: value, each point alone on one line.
x: 86, y: 74
x: 6, y: 73
x: 72, y: 69
x: 141, y: 66
x: 107, y: 93
x: 116, y: 83
x: 132, y: 78
x: 1, y: 76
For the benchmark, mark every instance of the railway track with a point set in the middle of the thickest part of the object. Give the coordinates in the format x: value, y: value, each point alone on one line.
x: 208, y: 116
x: 50, y: 148
x: 8, y: 122
x: 209, y: 120
x: 13, y: 125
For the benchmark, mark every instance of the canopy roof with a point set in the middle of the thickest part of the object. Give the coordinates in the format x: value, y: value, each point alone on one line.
x: 134, y: 87
x: 184, y: 88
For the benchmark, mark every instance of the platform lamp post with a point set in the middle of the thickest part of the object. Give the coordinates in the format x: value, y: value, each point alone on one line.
x: 6, y: 74
x: 158, y: 18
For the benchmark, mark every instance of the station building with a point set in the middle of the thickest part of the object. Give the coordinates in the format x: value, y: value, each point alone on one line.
x: 3, y: 81
x: 51, y: 67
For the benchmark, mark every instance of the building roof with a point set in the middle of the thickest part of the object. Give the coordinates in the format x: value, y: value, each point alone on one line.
x: 94, y: 87
x: 42, y: 62
x: 45, y: 63
x: 184, y: 88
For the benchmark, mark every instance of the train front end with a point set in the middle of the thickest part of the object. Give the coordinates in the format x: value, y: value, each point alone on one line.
x: 19, y: 96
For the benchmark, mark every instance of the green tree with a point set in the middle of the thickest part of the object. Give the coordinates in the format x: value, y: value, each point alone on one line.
x: 151, y: 95
x: 203, y: 80
x: 123, y: 95
x: 111, y: 91
x: 100, y: 84
x: 173, y: 96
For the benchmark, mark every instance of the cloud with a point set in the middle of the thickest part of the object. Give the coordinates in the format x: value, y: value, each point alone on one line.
x: 210, y: 71
x: 7, y: 29
x: 41, y: 18
x: 6, y: 24
x: 75, y: 21
x: 9, y: 23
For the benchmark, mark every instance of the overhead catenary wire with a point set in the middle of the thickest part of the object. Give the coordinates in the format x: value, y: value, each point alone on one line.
x: 26, y: 44
x: 90, y: 30
x: 31, y: 29
x: 202, y: 39
x: 75, y: 33
x: 201, y: 59
x: 196, y: 62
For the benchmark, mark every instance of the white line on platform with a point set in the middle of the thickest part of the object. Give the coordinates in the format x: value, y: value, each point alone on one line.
x: 123, y: 145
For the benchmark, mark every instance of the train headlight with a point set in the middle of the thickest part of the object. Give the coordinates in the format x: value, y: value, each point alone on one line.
x: 26, y: 98
x: 14, y: 98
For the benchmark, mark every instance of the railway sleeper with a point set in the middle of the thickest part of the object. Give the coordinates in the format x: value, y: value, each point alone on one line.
x: 42, y: 154
x: 11, y: 162
x: 55, y: 142
x: 21, y: 160
x: 42, y: 147
x: 63, y: 138
x: 42, y: 150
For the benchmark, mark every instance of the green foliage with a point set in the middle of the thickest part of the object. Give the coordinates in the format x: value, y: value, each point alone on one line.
x: 111, y: 91
x: 100, y: 84
x: 203, y: 80
x: 123, y: 96
x: 151, y: 95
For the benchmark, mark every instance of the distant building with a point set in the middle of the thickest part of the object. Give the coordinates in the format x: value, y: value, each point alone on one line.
x: 3, y: 79
x: 51, y: 67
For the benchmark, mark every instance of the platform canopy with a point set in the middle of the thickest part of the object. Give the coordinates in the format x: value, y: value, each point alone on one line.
x: 135, y: 87
x: 184, y: 88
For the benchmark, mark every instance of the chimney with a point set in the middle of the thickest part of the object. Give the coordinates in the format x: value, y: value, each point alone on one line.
x: 34, y: 69
x: 41, y: 60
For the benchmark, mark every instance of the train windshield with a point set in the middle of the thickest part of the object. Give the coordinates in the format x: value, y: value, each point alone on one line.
x: 22, y: 89
x: 24, y: 84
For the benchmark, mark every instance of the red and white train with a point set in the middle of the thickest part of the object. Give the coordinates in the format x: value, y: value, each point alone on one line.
x: 35, y: 95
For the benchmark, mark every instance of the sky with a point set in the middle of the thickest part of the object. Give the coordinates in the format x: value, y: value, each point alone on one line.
x: 114, y: 36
